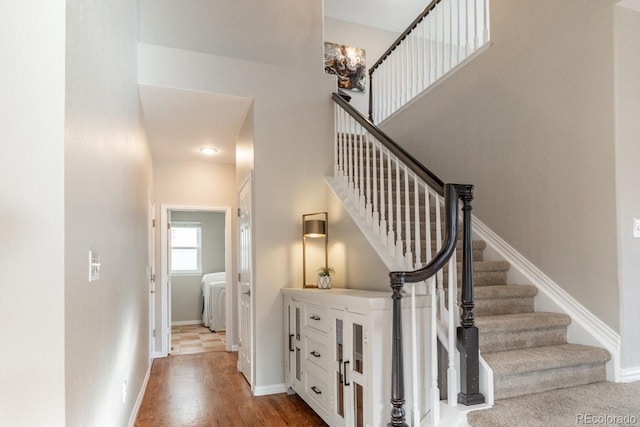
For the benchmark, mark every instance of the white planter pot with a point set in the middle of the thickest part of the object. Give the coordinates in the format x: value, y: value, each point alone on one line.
x: 324, y: 282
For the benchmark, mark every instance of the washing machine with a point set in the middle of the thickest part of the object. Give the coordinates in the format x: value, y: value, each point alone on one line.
x: 217, y: 306
x: 207, y: 280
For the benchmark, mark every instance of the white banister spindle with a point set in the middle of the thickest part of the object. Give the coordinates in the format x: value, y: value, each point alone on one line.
x: 415, y: 412
x: 391, y: 236
x: 398, y: 218
x: 368, y: 205
x: 336, y: 153
x: 374, y: 183
x: 438, y: 231
x: 407, y: 221
x: 361, y: 200
x: 416, y: 220
x: 433, y: 343
x: 383, y: 223
x: 452, y: 375
x: 427, y: 225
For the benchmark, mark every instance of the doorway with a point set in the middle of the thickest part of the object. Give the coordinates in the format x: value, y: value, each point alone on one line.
x: 183, y: 265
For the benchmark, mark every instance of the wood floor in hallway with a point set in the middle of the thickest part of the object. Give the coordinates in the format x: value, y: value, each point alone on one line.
x: 206, y: 390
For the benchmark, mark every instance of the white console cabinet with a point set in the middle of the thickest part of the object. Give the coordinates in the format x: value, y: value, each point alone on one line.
x: 338, y: 353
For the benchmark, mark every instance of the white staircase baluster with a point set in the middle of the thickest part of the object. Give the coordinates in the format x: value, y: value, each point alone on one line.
x: 368, y: 208
x: 416, y: 209
x: 375, y: 181
x: 398, y: 227
x: 415, y: 380
x: 361, y: 200
x: 391, y: 237
x: 407, y: 222
x: 433, y: 344
x: 452, y: 374
x: 383, y: 222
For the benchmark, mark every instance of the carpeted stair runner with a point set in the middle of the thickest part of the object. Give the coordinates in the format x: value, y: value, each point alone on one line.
x: 527, y: 350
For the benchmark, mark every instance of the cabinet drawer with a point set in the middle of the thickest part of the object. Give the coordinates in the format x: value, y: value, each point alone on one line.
x: 317, y: 390
x: 316, y: 353
x: 316, y: 318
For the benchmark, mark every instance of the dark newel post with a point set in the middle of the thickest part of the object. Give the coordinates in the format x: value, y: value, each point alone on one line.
x: 467, y: 331
x: 397, y: 367
x: 371, y: 95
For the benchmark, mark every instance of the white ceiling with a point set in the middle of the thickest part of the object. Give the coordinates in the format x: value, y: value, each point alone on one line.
x: 179, y: 122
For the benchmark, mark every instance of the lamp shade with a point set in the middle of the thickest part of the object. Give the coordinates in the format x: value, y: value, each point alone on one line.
x: 315, y: 228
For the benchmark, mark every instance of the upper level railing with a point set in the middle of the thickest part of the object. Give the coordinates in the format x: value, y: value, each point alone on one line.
x: 443, y: 36
x: 398, y: 197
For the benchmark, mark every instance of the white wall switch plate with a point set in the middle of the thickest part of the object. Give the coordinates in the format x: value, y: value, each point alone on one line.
x: 94, y: 266
x: 636, y: 228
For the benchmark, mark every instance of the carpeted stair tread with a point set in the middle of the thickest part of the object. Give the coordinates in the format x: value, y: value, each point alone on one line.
x: 521, y: 322
x: 515, y: 362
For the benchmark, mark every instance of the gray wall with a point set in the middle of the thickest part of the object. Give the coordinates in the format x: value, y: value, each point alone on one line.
x: 186, y: 291
x: 530, y: 122
x: 32, y: 213
x: 107, y: 185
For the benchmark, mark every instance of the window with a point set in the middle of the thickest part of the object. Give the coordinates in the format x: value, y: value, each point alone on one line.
x: 186, y: 248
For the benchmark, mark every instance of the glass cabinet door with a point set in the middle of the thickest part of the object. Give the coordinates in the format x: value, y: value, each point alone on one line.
x: 294, y: 346
x: 339, y: 363
x: 356, y: 376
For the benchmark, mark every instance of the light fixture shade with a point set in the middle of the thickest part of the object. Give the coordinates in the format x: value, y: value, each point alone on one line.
x: 315, y: 228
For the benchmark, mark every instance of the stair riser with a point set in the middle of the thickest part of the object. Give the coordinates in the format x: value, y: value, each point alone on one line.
x: 478, y: 254
x: 497, y: 306
x: 536, y: 382
x: 514, y: 340
x: 484, y: 278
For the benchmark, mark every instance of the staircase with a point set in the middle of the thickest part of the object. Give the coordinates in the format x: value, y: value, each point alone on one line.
x: 527, y: 350
x: 404, y: 220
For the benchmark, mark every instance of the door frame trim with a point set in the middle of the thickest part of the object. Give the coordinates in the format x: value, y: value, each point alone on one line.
x: 165, y: 327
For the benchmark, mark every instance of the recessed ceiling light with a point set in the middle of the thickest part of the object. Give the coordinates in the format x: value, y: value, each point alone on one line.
x: 208, y: 151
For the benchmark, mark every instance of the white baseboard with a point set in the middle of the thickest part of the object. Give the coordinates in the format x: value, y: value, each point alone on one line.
x: 630, y: 375
x: 585, y: 327
x: 187, y: 322
x: 263, y: 390
x: 136, y: 406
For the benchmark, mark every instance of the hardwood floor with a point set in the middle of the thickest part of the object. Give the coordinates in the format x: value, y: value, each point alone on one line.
x: 206, y: 390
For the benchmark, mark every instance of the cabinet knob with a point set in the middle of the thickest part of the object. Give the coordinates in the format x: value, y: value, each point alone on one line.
x: 315, y: 317
x: 315, y: 353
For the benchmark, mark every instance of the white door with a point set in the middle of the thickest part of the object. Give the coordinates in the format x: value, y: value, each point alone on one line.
x: 245, y: 282
x: 168, y: 276
x: 152, y: 278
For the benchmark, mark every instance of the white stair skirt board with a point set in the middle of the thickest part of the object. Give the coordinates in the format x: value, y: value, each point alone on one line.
x: 264, y: 390
x: 585, y: 327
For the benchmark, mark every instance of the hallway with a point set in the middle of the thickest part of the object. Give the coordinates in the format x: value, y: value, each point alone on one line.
x: 206, y: 390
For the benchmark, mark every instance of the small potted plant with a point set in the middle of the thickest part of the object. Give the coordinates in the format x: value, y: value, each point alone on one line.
x: 324, y: 277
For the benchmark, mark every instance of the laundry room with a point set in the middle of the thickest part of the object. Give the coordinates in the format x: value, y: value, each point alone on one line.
x: 198, y: 251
